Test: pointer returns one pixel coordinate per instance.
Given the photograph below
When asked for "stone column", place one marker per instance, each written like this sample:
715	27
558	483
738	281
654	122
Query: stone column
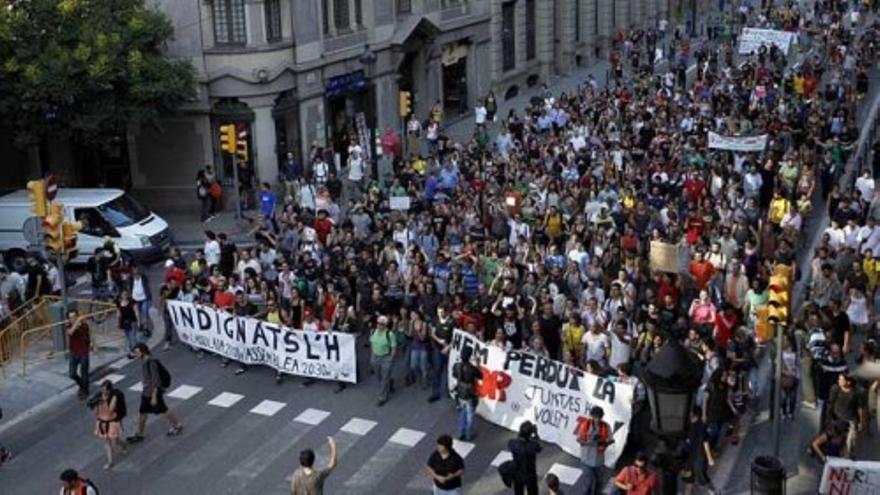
263	141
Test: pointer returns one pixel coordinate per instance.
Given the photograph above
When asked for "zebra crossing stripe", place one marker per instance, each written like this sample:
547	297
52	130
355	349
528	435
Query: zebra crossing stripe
389	455
113	377
567	475
312	417
225	399
183	392
137	387
268	408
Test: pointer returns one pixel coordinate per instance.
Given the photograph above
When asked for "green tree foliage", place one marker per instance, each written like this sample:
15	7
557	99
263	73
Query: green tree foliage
85	69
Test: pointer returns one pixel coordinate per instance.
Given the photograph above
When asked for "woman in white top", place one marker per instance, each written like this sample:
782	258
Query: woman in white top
791	376
857	309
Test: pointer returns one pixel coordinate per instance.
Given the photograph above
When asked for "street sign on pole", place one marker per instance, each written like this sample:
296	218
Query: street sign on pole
51	187
33	231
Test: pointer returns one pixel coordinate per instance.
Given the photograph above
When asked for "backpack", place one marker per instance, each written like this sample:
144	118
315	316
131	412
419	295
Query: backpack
121	409
86	484
164	375
506	470
214	190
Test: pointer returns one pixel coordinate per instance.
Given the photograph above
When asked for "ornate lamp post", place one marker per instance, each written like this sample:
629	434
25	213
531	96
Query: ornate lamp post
672	379
368	60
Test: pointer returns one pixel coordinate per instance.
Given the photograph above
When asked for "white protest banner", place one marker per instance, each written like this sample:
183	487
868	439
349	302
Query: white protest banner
398	202
737	143
846	477
752	38
324	355
518	386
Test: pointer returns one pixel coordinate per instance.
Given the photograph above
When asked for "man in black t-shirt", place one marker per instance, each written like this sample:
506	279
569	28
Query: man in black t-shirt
445	467
36	280
441	339
848	403
228	255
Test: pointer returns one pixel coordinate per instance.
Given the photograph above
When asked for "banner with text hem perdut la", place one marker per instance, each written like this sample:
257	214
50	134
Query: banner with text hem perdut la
846	477
518	386
324	355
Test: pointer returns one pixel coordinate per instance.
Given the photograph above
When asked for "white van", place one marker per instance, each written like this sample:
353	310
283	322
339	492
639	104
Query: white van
103	212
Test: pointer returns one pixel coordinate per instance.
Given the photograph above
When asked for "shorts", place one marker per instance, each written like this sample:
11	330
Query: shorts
148	408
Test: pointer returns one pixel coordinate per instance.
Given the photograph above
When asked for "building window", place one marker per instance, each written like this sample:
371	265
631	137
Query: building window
613	15
325	15
531	34
273	20
508	37
358	13
340	15
229	22
404	6
577	20
596	19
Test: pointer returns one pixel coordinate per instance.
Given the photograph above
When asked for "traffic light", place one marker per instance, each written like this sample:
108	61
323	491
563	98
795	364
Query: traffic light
241	145
68	233
779	294
405	99
37	193
52	227
227	138
763	328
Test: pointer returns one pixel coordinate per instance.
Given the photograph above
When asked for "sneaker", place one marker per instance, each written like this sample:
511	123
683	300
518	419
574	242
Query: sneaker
5	455
135	439
433	398
173	432
381	402
278	378
239	371
224	364
339	388
166	347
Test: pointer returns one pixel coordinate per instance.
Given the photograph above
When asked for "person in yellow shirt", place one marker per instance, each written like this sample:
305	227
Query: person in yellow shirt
871	267
418	165
779	206
799	84
572	333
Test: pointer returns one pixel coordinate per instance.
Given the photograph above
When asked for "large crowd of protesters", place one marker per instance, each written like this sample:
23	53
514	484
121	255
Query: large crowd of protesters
535	233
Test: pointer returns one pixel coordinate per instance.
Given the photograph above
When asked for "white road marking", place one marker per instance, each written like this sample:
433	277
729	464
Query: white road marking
358	426
268	408
137	387
407	437
567	475
501	458
113	377
184	392
226	399
312	416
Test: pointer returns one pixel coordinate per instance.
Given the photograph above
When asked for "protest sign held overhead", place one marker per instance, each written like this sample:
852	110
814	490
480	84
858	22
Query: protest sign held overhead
737	143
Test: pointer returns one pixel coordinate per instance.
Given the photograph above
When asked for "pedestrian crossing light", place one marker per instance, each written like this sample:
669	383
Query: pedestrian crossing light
69	232
227	138
405	98
37	194
52	227
241	145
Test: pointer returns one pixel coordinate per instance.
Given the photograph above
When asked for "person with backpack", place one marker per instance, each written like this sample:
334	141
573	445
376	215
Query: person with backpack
110	409
466	393
72	484
155	382
383	346
525	449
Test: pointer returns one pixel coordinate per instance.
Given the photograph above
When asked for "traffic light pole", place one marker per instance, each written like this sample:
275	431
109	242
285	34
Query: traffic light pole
235	185
776	411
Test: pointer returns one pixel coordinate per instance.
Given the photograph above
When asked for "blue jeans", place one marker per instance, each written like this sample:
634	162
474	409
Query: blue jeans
131	336
593	480
418	365
144	310
79	371
438	361
466	419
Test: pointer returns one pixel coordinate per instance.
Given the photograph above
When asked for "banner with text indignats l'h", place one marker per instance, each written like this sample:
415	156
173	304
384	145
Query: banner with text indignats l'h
324	355
518	386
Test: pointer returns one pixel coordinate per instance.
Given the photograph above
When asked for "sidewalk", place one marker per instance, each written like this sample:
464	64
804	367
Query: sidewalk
46	383
189	232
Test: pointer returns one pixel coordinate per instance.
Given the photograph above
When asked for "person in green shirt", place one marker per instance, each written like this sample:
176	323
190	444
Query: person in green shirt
382	349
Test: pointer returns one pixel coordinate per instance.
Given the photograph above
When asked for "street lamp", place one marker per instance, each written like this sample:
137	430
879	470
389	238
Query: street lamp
672	379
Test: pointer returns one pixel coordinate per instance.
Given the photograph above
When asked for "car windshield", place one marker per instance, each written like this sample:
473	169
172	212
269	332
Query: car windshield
123	211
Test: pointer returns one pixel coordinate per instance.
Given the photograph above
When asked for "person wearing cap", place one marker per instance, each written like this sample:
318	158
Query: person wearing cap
383	346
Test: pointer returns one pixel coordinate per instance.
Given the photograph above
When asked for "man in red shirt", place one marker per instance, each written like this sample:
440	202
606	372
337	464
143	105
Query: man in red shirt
694	188
323	226
701	270
79	344
223	297
173	272
637	479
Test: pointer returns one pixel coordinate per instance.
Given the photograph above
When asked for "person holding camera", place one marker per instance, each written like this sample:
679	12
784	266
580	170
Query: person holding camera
109	407
524	449
466	393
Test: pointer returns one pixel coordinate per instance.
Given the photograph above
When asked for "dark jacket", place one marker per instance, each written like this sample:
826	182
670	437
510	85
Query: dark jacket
129	285
525	453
